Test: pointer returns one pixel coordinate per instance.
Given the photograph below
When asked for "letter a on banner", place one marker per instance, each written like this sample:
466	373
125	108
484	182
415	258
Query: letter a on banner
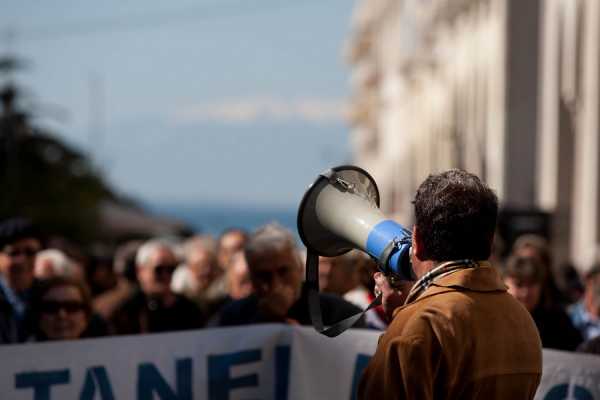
96	378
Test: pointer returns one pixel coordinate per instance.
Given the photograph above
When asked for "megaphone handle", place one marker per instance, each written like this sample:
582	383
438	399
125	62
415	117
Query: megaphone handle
314	302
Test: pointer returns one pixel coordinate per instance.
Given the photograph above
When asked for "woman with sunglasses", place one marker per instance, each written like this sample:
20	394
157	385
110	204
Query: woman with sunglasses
62	311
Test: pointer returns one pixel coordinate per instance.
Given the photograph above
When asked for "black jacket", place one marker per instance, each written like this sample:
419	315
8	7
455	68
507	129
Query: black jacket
246	311
140	314
556	329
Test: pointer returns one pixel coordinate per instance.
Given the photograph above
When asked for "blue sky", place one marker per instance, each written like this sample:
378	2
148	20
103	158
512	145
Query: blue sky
224	101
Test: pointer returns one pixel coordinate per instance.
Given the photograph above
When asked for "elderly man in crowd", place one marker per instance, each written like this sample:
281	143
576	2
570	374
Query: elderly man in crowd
19	244
154	307
276	276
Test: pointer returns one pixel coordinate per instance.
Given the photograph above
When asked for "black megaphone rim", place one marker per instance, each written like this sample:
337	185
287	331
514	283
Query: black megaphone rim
308	194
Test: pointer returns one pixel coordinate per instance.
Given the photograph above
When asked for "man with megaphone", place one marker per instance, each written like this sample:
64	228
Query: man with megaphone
456	333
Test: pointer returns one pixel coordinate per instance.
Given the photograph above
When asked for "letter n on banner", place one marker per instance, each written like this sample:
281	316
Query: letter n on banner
151	381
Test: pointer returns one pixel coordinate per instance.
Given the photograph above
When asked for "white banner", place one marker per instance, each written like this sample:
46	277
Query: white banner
572	376
256	362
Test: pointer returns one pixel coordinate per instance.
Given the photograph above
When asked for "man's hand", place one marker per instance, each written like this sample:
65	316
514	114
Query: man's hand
391	298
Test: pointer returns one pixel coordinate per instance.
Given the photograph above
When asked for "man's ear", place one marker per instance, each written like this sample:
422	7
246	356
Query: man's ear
416	246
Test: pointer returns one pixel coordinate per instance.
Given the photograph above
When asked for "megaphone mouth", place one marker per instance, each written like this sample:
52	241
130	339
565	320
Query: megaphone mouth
346	178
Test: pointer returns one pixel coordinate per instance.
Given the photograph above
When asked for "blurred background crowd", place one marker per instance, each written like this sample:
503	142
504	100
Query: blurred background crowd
52	289
227	102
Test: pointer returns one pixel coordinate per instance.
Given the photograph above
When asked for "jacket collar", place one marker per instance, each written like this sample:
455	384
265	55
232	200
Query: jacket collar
484	278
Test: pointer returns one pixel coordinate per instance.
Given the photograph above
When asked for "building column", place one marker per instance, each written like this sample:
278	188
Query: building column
585	223
495	148
547	137
521	102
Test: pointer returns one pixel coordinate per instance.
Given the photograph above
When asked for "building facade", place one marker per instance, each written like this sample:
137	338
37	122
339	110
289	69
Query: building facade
506	89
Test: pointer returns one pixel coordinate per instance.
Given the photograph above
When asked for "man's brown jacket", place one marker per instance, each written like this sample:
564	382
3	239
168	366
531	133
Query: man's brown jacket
464	337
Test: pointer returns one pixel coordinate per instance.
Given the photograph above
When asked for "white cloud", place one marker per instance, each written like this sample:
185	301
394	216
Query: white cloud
250	109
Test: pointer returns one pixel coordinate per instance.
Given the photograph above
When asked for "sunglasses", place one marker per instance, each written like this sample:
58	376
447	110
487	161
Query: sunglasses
53	307
162	270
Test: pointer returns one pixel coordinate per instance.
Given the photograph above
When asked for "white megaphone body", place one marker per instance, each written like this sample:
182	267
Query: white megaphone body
340	212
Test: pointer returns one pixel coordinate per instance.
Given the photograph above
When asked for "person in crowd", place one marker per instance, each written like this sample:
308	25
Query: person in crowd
239	284
525	277
154	307
585	314
62	310
124	260
50	263
200	276
532	245
456	333
536	246
276	276
124	268
230	242
199	269
74	252
338	275
20	241
362	295
571	283
100	272
591	346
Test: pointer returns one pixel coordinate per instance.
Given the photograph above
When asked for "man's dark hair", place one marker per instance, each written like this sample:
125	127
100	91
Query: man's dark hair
17	228
455	216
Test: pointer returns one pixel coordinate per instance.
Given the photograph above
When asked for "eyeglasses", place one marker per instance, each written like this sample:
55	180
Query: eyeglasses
53	307
164	269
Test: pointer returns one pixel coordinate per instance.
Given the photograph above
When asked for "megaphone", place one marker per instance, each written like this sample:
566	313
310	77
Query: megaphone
340	212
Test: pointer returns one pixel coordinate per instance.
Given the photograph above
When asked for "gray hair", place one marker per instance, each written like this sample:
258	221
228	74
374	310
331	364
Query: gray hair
146	250
62	265
269	239
204	242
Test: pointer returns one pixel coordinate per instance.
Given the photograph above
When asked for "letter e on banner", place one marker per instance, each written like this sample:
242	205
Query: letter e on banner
220	382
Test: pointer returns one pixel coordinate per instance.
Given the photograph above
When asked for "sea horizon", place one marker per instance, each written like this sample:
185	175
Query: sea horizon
213	218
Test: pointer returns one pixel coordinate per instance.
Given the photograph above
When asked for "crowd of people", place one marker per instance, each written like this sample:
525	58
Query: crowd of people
50	290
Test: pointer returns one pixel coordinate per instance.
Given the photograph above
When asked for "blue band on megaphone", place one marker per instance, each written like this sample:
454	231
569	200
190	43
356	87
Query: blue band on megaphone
381	236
